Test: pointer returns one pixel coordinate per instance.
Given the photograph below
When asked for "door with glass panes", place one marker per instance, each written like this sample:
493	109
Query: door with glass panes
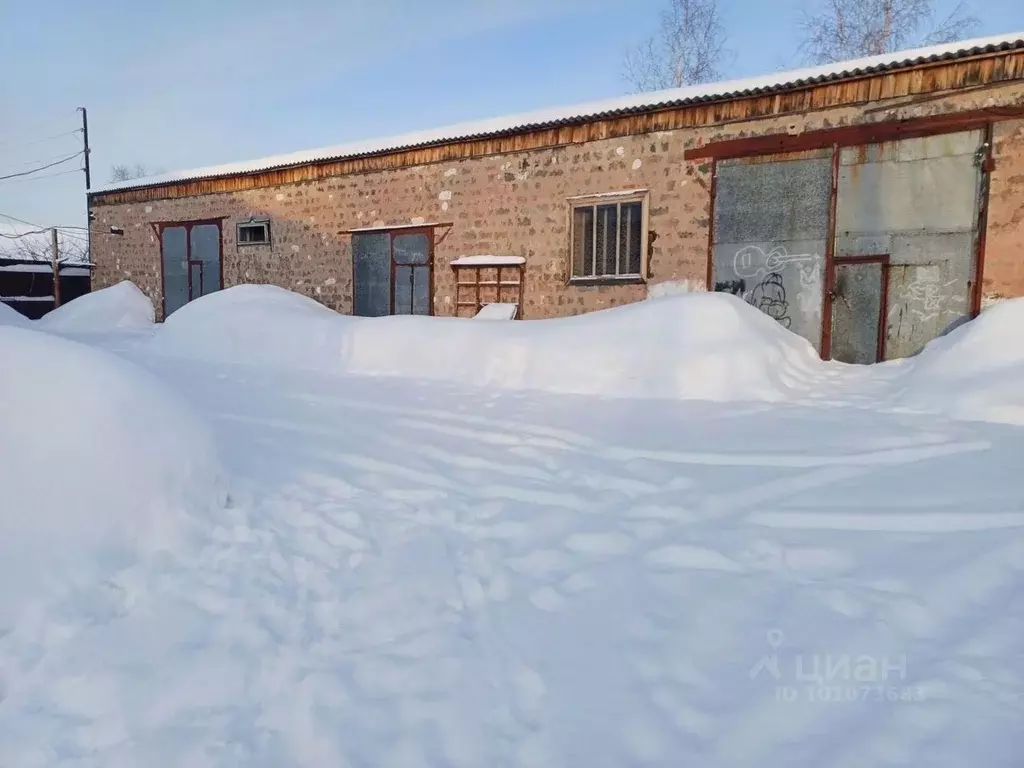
190	256
392	272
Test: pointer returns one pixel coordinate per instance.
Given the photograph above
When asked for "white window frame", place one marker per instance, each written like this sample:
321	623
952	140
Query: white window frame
641	196
265	223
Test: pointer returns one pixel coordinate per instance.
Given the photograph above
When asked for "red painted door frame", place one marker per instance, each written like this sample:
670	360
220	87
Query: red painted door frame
160	226
875	258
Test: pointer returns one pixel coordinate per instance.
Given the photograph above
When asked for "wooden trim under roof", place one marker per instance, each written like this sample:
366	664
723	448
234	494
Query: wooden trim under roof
852	135
929	78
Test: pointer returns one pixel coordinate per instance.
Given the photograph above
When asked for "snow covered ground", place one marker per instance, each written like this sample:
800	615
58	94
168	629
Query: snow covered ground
734	555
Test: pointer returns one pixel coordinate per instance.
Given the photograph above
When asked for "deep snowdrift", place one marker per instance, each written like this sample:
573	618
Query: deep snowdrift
256	325
975	372
97	458
708	346
417	574
120	307
10	316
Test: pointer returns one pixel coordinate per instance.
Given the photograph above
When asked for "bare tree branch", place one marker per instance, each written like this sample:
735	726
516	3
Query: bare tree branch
39	248
958	25
127	173
850	29
687	49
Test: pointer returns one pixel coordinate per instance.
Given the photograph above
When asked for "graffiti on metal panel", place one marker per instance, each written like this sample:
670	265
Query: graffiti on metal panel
927	296
751	264
752	261
735	287
809	297
770	297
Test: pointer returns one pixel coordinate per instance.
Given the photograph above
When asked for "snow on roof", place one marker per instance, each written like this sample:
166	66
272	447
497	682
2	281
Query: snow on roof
637	102
497	311
38	267
487	260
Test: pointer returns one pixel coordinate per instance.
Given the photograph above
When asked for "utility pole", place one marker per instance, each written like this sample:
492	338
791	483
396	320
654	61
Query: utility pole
56	267
88	180
85	141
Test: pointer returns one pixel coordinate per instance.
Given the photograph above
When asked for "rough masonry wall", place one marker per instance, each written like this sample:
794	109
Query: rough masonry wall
507	204
516	204
1004	250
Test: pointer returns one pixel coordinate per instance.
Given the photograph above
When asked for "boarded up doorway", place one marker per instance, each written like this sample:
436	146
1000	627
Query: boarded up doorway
392	272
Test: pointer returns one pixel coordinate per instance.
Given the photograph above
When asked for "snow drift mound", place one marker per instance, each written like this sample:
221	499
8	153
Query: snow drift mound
976	371
97	461
255	325
9	316
699	346
120	307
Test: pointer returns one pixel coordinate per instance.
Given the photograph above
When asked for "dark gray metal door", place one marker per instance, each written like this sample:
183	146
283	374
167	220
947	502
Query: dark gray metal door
411	255
858	303
392	273
371	269
770	229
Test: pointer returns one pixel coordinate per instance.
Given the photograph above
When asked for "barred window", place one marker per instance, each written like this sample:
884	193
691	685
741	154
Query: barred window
608	237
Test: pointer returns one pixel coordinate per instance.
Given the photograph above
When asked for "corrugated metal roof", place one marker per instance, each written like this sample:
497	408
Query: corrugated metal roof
582	113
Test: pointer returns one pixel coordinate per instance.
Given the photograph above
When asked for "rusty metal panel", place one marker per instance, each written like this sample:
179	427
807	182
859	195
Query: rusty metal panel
928	185
916	200
927	301
857	312
770	228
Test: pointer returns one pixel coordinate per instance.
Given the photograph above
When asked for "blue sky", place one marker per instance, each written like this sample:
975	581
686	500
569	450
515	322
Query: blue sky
191	82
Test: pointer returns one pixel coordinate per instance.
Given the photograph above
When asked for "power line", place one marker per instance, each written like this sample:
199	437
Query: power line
33	142
72	235
44	123
44	176
40	226
20	221
24	234
38	160
77	233
40	168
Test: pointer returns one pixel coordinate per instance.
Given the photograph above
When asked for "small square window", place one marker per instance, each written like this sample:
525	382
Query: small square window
253	233
608	237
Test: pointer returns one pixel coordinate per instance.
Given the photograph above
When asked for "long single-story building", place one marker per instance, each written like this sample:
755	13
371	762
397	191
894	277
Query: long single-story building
868	205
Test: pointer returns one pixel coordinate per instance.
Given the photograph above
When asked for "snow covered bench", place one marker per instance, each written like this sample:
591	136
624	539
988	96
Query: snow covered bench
497	311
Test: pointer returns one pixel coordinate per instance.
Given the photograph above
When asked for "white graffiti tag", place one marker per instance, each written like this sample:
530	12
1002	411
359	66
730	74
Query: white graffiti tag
809	297
927	296
752	261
